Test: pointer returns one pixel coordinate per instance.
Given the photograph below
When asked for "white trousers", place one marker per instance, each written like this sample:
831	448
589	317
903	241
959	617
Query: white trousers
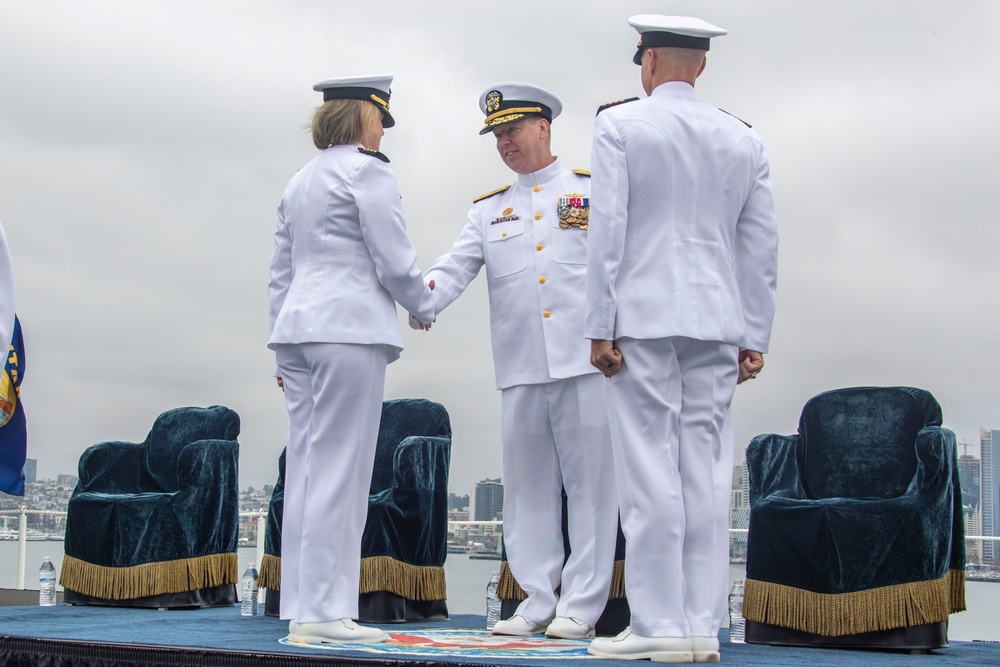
674	468
556	435
333	393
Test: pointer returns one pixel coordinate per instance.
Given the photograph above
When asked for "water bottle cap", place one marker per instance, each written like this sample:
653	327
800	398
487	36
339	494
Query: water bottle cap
46	559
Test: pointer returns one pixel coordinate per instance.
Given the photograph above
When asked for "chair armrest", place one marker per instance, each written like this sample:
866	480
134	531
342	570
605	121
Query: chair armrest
935	450
111	467
422	462
210	464
773	467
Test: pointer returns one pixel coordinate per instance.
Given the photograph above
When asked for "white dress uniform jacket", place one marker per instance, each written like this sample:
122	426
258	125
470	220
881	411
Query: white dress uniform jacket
536	272
696	265
6	295
337	282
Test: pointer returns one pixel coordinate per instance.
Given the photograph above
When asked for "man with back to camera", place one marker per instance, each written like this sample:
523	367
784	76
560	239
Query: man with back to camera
681	276
532	238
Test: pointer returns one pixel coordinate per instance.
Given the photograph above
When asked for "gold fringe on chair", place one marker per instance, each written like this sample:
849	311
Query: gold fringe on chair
413	582
138	581
378	573
509	589
957	590
833	615
270	572
618	581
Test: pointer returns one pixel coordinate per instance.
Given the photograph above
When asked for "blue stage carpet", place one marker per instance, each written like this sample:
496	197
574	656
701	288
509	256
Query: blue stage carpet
224	632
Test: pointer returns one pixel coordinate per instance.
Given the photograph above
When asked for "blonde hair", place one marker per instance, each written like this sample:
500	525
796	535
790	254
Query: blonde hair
342	122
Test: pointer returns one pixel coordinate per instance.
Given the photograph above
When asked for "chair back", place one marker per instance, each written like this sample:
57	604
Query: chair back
859	442
402	418
176	429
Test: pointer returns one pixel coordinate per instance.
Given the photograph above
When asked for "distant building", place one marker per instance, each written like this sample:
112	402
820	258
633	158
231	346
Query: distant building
489	500
739	512
973	526
989	447
30	471
968	477
69	481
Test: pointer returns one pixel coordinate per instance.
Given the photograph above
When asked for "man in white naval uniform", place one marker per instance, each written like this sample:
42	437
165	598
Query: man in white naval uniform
681	278
532	237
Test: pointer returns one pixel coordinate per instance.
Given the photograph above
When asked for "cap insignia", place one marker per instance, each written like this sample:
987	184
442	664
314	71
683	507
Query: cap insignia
493	99
639	45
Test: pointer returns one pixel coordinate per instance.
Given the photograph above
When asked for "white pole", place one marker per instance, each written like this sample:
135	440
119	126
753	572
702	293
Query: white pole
22	540
261	527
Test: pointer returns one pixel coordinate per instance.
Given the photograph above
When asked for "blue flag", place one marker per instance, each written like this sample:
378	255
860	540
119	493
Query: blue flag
13	427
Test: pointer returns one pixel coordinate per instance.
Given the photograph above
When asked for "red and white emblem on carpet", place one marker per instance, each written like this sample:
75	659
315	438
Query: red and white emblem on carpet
464	642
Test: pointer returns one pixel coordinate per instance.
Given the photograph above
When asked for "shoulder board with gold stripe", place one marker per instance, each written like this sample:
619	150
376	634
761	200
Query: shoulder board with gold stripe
736	117
582	172
490	194
380	156
608	105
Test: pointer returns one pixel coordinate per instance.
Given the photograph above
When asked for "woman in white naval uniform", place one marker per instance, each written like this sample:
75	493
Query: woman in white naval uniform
341	260
532	238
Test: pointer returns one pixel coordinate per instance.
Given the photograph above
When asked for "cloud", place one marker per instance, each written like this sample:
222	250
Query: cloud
144	148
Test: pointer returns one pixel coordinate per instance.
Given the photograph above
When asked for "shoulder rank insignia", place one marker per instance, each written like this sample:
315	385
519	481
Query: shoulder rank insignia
736	117
614	104
582	172
490	194
380	156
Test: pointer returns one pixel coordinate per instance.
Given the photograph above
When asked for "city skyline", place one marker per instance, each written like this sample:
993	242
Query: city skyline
41	475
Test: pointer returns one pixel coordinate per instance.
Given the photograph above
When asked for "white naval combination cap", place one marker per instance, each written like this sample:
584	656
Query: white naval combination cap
682	31
509	101
373	89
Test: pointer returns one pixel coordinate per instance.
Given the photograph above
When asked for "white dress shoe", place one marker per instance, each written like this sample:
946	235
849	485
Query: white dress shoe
627	646
569	627
334	632
706	649
520	626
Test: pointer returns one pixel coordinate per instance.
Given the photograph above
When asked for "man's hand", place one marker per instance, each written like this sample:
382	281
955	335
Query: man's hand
605	357
281	383
417	324
751	363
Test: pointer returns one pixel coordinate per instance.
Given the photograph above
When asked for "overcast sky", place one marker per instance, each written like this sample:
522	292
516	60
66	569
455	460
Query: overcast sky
144	147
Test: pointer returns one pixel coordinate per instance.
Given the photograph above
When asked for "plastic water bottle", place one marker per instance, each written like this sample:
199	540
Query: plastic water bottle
492	601
47	583
737	623
248	594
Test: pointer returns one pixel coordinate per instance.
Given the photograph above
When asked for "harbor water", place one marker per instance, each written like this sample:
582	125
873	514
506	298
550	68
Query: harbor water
467	579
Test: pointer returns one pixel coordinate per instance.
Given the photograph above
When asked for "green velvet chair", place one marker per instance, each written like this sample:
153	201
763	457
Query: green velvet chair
856	536
155	524
405	540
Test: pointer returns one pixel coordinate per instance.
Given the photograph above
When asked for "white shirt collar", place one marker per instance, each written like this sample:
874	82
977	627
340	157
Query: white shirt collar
543	175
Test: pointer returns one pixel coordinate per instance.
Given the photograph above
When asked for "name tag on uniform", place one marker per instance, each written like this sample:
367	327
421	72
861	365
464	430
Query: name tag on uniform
574	211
